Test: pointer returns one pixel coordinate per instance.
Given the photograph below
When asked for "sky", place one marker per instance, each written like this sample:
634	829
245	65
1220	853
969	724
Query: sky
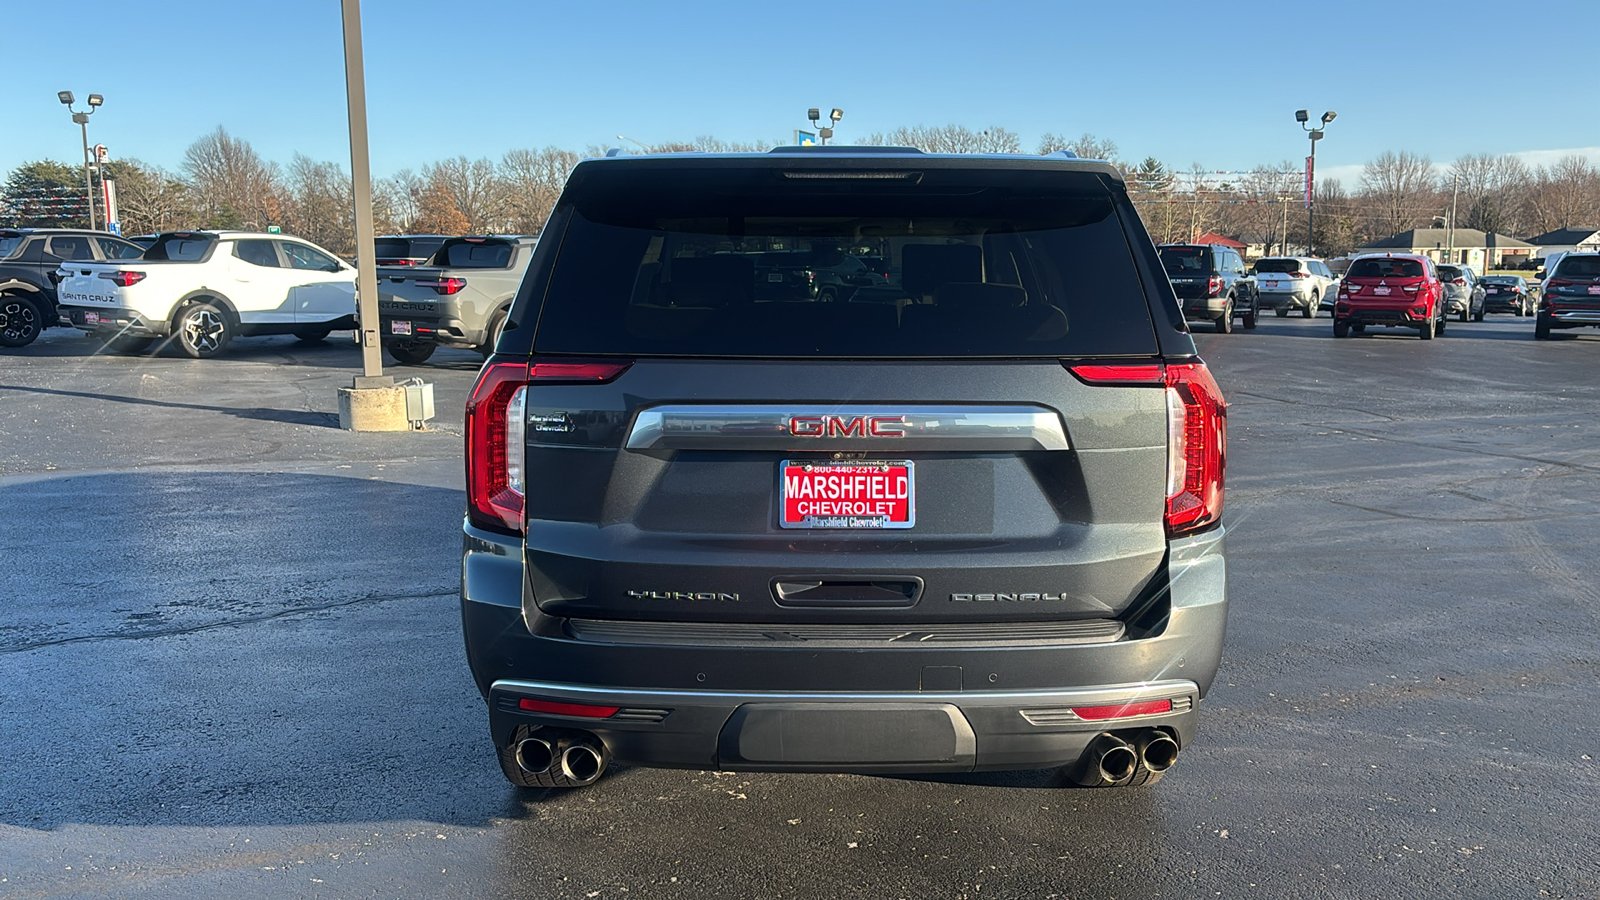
1214	85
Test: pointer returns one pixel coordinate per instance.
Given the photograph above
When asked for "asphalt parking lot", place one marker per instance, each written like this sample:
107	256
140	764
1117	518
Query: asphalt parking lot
231	657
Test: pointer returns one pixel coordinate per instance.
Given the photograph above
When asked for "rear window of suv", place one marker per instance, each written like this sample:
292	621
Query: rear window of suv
704	262
1385	268
1284	266
475	255
1579	267
1183	261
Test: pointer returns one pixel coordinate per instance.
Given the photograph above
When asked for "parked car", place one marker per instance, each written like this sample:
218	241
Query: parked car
461	300
1508	293
680	552
1392	290
203	288
406	249
1293	282
1463	295
1206	278
1571	295
29	258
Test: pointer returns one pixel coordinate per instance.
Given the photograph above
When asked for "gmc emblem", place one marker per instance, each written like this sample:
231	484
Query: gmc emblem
848	426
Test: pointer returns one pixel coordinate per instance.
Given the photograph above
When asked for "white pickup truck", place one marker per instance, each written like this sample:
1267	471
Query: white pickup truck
203	288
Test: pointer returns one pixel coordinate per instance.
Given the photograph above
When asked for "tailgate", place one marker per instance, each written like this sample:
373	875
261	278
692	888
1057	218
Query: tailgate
942	492
81	285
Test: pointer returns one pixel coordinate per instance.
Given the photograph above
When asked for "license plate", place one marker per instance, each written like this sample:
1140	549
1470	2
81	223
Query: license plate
91	318
864	494
1494	290
775	277
1594	288
399	327
1381	291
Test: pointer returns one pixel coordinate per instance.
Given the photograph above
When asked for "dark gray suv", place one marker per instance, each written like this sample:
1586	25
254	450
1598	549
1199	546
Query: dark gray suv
972	526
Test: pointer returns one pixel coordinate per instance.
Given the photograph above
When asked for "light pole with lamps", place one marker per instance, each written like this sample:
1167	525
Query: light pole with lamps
826	131
82	118
1303	117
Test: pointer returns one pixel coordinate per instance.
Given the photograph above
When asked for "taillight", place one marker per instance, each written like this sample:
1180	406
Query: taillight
1214	285
1349	288
1197	440
1300	274
123	278
1413	288
496	433
445	285
1458	281
1197	435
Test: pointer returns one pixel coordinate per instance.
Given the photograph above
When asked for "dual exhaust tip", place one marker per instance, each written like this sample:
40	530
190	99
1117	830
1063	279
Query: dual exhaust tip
1114	760
580	758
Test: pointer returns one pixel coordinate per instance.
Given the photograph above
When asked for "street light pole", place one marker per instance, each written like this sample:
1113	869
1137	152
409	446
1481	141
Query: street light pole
1304	117
82	119
355	85
825	131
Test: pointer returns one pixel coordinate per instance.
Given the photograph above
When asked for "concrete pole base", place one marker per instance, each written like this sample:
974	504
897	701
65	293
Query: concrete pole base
373	409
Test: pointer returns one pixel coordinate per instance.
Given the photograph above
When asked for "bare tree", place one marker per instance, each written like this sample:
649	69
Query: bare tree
949	139
232	186
1084	145
149	198
395	202
1263	207
475	187
1399	191
532	180
1565	195
438	210
318	204
1490	189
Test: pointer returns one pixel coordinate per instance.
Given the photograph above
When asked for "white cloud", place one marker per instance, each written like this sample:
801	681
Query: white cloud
1551	157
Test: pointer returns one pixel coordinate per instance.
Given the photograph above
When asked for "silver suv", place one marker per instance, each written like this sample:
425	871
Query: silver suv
974	523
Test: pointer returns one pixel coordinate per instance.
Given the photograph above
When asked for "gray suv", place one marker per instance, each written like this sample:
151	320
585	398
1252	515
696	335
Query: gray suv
973	526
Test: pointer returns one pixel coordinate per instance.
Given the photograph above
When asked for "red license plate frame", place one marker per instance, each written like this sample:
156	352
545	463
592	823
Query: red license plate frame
851	495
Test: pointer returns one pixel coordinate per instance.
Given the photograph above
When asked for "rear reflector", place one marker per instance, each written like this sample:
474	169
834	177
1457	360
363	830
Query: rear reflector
1136	373
576	709
1120	711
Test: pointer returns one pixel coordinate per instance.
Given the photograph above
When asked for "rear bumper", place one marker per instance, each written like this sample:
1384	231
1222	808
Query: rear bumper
114	320
1573	318
445	330
1372	315
1203	309
904	707
1296	299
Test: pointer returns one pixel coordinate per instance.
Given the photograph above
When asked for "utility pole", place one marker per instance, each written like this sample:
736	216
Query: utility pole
1455	190
82	119
361	181
1304	117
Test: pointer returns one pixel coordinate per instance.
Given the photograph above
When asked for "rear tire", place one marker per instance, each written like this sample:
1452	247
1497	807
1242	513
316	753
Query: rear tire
411	353
1341	328
1478	316
491	335
20	321
1541	329
1428	328
313	335
1224	322
1282	312
1311	308
1250	319
203	329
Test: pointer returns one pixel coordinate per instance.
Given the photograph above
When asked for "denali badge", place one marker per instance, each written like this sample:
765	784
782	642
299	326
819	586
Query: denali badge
847	426
1004	598
684	595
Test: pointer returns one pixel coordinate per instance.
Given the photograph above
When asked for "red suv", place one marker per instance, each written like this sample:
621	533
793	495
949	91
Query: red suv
1392	290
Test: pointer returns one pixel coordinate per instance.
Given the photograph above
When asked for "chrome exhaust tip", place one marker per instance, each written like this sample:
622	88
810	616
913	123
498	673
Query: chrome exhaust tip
535	755
1115	760
583	761
1157	750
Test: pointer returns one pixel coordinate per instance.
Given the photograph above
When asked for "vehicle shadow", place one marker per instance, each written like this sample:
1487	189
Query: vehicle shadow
286	416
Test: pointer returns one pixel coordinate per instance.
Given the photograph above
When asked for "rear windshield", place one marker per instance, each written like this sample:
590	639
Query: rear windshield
406	248
1182	261
1502	279
470	255
1448	272
1386	268
725	263
1579	267
1278	265
180	247
9	244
